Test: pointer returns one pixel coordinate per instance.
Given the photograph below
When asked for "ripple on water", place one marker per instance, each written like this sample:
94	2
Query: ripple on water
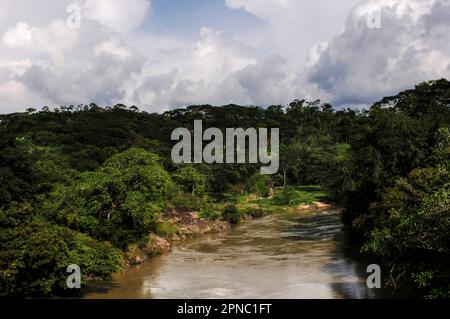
291	255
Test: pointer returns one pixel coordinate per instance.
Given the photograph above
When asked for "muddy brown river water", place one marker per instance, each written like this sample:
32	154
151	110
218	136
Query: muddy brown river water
289	255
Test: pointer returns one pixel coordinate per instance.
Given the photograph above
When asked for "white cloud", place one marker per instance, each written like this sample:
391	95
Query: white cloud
362	64
15	68
401	8
49	63
265	9
114	48
18	36
305	49
119	15
15	93
294	26
190	74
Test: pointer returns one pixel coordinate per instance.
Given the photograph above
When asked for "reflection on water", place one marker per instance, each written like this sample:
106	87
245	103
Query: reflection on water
291	255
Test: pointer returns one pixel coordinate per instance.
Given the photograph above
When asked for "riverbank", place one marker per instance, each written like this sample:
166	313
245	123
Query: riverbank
179	223
175	224
293	254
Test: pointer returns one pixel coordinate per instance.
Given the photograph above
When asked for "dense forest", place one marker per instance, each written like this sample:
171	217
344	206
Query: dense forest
80	184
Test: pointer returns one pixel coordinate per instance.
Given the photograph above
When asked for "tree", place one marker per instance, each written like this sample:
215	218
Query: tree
413	237
261	185
190	180
119	202
34	254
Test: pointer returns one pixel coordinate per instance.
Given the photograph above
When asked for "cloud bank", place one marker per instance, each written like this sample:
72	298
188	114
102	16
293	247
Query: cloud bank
303	49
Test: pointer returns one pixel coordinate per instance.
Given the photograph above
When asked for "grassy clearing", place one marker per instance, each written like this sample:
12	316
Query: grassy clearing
291	197
284	198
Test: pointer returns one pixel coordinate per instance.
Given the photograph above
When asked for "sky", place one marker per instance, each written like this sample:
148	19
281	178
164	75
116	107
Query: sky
164	54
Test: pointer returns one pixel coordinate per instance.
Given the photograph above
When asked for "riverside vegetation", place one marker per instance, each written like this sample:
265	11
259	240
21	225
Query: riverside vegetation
96	187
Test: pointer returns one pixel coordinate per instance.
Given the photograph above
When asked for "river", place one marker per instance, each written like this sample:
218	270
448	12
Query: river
289	255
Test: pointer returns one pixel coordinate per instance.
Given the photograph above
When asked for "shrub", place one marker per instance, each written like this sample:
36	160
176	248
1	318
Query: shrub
231	214
287	196
187	200
165	229
209	213
260	185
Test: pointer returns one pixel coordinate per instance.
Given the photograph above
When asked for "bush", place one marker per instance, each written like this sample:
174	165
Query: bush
209	213
165	229
286	197
187	200
260	185
231	214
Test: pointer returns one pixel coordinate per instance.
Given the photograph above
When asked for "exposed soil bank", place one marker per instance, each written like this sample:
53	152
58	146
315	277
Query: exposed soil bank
315	205
184	223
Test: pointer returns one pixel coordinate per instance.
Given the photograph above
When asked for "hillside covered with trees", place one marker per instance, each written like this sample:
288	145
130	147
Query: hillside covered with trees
81	184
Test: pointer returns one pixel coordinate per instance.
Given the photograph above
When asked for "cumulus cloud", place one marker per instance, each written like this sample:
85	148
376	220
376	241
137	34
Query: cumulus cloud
363	64
294	26
18	36
190	73
49	63
119	15
304	49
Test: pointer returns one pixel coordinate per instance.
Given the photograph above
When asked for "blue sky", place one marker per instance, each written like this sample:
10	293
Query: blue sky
189	16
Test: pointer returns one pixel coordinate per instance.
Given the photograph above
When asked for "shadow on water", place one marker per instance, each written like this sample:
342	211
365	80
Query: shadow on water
102	287
317	227
345	258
